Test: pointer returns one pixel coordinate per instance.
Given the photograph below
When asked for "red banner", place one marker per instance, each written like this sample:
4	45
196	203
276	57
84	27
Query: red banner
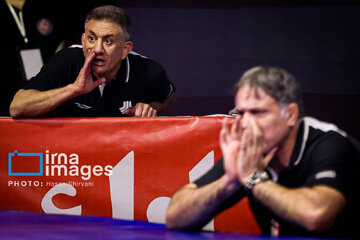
125	168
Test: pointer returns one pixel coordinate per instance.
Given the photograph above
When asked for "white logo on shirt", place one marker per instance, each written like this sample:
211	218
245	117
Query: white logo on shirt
326	174
82	106
126	105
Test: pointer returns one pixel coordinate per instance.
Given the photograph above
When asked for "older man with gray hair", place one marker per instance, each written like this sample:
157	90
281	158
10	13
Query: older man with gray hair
103	77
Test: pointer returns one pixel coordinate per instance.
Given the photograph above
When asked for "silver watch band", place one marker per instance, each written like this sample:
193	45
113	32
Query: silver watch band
255	178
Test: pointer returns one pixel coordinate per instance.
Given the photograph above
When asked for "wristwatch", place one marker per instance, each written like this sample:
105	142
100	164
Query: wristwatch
255	178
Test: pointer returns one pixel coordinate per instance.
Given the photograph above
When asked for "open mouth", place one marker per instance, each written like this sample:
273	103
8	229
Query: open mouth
99	61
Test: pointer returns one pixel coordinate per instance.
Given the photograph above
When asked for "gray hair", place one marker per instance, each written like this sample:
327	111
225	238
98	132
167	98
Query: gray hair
276	82
111	14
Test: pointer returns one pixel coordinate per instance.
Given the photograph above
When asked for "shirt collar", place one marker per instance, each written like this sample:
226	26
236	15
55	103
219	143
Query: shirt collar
123	73
297	153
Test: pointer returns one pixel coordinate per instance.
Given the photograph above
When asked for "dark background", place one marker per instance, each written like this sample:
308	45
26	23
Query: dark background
205	46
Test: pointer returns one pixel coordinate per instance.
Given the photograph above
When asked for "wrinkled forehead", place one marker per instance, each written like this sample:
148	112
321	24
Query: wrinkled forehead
248	96
103	26
248	91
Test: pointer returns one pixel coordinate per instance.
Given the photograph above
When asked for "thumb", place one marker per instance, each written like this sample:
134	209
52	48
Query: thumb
100	81
130	112
270	155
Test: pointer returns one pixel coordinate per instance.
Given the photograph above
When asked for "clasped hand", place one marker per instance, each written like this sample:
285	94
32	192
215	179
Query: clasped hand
242	150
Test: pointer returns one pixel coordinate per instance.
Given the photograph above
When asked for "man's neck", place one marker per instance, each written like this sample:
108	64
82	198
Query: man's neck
284	153
19	4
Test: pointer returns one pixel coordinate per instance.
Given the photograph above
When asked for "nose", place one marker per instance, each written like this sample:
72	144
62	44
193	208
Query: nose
98	46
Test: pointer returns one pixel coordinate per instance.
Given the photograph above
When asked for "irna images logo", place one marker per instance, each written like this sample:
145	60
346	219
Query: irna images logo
53	164
25	164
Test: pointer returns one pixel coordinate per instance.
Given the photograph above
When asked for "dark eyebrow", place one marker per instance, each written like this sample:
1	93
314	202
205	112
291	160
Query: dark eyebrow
252	111
92	33
106	36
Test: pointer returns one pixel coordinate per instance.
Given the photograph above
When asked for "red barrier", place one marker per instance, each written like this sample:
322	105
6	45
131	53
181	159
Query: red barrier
117	167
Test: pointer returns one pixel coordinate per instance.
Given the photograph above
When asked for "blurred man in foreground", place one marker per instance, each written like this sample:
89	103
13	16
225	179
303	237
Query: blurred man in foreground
299	174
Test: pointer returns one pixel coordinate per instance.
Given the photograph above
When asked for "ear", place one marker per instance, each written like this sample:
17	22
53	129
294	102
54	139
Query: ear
128	46
292	114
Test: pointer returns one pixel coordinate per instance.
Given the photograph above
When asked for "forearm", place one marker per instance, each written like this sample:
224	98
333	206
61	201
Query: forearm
314	209
162	106
34	103
191	207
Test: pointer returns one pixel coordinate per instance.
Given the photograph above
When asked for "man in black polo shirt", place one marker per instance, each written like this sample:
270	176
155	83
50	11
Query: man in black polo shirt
100	78
300	174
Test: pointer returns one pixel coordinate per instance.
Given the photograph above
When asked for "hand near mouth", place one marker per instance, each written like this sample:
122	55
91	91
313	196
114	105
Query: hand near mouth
84	82
98	61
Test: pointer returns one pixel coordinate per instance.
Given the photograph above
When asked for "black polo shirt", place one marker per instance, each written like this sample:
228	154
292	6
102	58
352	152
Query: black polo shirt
323	155
139	79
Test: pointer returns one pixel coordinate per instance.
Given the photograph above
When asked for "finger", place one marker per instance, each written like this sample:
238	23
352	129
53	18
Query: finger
224	132
224	124
256	138
147	110
138	110
256	128
99	82
222	137
235	129
244	140
152	113
250	144
88	60
249	139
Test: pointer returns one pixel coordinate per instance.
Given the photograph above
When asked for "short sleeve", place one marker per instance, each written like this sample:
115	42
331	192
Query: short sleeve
213	174
60	70
335	162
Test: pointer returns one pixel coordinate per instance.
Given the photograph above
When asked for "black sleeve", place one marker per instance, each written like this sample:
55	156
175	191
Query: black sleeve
335	163
152	77
164	87
61	70
213	174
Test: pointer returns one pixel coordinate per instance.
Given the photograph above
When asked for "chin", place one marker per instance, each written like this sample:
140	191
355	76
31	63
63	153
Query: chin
268	148
97	70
